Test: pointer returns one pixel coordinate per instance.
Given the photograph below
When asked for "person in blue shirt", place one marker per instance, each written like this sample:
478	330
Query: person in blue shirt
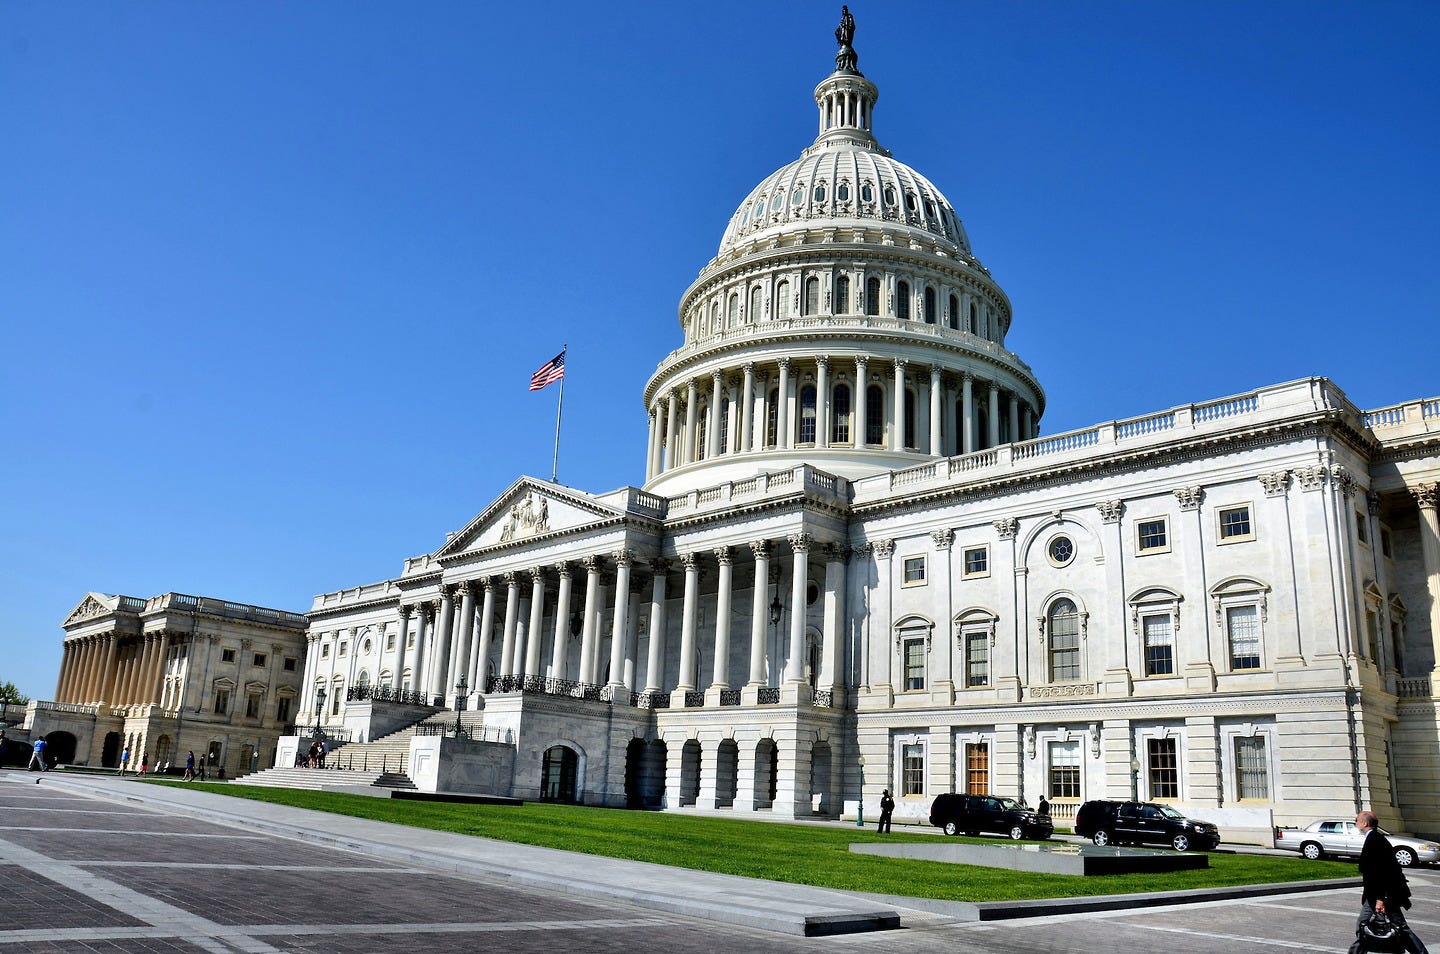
38	757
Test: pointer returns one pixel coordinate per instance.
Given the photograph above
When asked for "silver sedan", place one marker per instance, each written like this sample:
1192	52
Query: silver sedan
1339	837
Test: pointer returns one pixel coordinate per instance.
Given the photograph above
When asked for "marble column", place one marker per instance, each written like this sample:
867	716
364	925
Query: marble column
672	445
466	637
967	413
992	429
1427	497
487	632
782	409
862	387
441	657
712	414
108	668
537	618
687	621
759	611
587	632
618	623
561	636
747	410
157	678
897	433
692	409
401	638
936	394
654	664
799	577
721	674
833	631
822	401
1014	417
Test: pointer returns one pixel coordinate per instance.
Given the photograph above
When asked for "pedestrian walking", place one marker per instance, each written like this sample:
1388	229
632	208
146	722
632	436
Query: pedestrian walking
887	806
124	761
1044	805
324	751
38	756
202	767
189	767
144	763
1385	890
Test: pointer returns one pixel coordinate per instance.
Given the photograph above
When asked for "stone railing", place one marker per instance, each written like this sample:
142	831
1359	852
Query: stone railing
758	487
1421	415
224	608
1414	687
69	708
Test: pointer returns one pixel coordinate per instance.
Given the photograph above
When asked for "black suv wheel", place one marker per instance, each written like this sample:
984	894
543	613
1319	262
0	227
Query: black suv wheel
1102	838
951	828
1016	833
1180	842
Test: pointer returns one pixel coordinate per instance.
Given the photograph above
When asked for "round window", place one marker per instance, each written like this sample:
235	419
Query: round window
367	645
1062	551
812	593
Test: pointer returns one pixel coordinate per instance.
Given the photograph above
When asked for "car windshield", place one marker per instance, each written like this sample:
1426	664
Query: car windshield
1010	805
1169	812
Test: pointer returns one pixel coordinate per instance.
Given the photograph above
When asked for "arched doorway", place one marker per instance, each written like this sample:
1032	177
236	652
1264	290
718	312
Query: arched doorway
644	773
110	751
690	773
821	796
727	771
163	753
558	773
767	771
61	749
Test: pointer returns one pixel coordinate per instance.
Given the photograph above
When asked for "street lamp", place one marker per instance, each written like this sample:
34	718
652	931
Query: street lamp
461	698
860	803
319	709
1134	779
775	609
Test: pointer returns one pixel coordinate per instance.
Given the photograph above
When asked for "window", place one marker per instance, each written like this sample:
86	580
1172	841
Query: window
227	655
842	295
782	299
344	648
977	768
752	314
772	417
324	650
929	306
222	700
914	650
902	301
912	767
1163	768
867	193
290	662
259	659
1235	524
1152	536
1252	775
977	561
1064	642
840	414
1159	644
872	296
1061	551
875	415
1242	626
1385	541
732	313
842	192
953	317
807	414
282	709
812	296
1065	770
910	418
389	642
977	659
702	432
723	439
974	323
337	692
252	707
889	195
819	192
914	570
1362	530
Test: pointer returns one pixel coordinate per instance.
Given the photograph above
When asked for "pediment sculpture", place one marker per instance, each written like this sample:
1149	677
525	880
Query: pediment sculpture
529	516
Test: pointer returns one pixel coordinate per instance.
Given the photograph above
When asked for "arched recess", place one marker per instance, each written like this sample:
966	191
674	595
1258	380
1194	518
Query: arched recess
975	629
727	773
61	749
690	755
1087	542
822	795
562	773
1064	625
644	773
767	770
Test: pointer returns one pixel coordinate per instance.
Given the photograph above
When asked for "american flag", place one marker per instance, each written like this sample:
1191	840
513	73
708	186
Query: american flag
550	371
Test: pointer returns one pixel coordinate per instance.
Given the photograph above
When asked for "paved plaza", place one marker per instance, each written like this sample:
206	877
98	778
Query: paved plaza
86	867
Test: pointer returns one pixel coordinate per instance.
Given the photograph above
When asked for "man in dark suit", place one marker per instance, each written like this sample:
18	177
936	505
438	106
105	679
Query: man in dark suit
1385	889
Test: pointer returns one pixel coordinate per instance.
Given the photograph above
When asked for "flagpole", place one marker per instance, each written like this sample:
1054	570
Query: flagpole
559	408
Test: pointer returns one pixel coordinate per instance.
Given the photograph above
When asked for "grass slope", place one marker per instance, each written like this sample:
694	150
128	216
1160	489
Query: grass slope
804	854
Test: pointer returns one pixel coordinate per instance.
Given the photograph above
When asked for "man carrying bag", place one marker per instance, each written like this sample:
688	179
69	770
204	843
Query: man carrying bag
1385	895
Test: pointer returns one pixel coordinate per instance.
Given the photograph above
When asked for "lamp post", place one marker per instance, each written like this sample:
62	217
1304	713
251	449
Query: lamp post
1134	779
461	698
319	709
860	804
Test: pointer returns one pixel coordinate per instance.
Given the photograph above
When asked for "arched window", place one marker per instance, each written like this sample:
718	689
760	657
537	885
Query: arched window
929	306
840	414
872	296
974	318
753	315
807	414
364	679
842	295
1064	642
702	419
875	414
724	425
954	318
732	317
714	325
772	416
902	301
909	418
782	299
812	296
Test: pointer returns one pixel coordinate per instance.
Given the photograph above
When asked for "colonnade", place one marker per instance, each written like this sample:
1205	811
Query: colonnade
113	669
820	403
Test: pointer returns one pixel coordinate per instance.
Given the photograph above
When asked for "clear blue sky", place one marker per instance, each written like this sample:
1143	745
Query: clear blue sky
273	277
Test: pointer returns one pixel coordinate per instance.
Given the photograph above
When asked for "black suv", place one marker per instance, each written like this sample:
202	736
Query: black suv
973	814
1116	823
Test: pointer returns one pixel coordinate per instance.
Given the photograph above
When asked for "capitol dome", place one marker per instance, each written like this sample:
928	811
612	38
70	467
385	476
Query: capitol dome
844	323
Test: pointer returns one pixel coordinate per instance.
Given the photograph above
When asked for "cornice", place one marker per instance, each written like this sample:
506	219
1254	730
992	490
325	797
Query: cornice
392	601
787	502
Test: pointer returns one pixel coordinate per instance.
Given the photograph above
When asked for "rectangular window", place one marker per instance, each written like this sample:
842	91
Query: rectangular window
914	664
1385	541
1235	524
912	761
1372	634
410	641
977	659
1362	530
252	707
1065	770
914	570
977	768
222	701
282	709
1152	535
259	659
1159	644
1065	648
1164	768
389	642
289	663
324	650
1252	774
344	647
1242	625
335	697
227	655
977	561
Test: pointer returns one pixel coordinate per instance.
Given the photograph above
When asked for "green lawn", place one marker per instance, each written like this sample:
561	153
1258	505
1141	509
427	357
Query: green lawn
804	854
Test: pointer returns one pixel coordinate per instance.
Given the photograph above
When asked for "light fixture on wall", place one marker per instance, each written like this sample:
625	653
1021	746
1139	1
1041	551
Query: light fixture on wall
775	609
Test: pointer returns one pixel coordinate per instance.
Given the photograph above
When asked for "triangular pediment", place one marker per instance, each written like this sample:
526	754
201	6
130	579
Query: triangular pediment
93	605
530	509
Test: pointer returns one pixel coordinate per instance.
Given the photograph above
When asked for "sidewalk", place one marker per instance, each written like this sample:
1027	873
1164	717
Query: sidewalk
768	905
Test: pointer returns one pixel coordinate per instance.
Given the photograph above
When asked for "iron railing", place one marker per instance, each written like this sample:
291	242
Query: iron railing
768	696
408	697
729	697
694	700
822	698
650	700
335	733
